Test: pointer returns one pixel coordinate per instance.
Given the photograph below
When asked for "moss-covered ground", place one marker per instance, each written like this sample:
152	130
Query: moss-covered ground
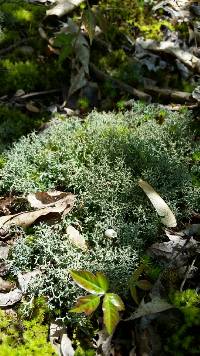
99	158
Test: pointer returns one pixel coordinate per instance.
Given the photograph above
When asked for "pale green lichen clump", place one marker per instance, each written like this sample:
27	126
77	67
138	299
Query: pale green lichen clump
101	160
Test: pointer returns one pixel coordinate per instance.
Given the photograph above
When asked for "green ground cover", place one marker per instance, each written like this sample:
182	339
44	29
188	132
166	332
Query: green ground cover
101	160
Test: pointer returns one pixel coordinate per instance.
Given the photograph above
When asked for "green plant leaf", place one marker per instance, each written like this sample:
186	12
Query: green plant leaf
89	23
86	304
102	281
88	281
134	295
112	304
137	273
144	284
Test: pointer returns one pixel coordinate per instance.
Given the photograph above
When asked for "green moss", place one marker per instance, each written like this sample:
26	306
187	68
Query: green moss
152	28
18	75
14	123
20	337
132	16
185	339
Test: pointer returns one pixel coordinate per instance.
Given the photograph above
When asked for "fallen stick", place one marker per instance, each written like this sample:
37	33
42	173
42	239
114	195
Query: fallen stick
101	76
175	95
38	93
13	46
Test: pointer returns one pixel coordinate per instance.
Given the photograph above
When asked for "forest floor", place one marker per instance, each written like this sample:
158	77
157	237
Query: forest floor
100	188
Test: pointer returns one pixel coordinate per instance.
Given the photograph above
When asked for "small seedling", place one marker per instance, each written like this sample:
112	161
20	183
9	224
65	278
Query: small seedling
98	286
136	283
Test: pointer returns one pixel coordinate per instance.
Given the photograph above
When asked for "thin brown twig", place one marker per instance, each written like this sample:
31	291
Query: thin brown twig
101	76
187	274
13	46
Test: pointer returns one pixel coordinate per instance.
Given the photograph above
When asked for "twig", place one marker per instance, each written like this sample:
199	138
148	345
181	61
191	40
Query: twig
13	46
38	93
187	274
101	76
170	94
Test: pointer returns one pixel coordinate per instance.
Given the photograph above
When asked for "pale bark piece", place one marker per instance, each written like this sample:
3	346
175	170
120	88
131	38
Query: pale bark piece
163	210
60	340
24	219
26	279
178	10
11	298
66	346
63	7
76	238
5	286
156	305
55	333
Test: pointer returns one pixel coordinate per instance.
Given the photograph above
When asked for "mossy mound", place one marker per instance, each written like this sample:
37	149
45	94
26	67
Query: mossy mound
14	123
20	337
101	160
28	66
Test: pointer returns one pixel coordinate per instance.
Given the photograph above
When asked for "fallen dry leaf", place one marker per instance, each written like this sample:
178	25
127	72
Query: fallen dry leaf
156	305
30	106
163	210
41	200
25	219
11	298
76	238
5	286
63	7
5	203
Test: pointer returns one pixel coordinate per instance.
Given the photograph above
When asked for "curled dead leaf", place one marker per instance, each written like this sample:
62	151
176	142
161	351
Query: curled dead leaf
59	204
163	210
30	106
156	305
11	298
63	7
76	238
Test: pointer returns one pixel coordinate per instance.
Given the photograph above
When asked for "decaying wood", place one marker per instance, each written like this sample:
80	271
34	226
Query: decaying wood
38	93
177	96
101	76
190	60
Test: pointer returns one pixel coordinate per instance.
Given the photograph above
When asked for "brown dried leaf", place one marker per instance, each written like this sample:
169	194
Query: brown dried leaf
41	200
31	107
24	219
5	286
5	204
